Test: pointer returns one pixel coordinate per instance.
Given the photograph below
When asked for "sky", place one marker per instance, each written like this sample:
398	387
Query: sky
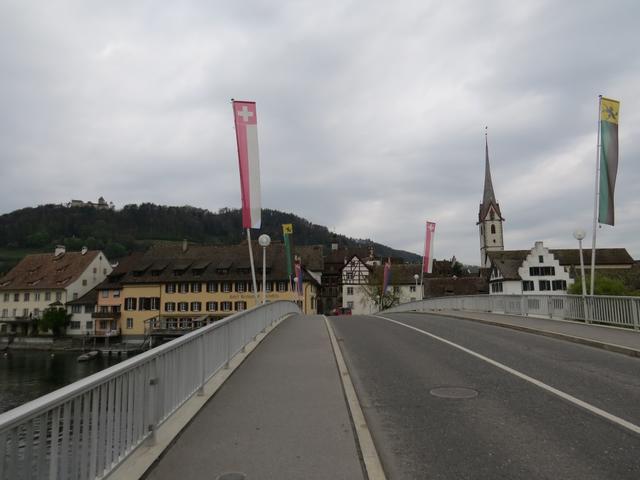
371	114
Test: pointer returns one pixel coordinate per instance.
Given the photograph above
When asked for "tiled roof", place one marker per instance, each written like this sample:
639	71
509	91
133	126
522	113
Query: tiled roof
44	270
203	263
438	287
89	298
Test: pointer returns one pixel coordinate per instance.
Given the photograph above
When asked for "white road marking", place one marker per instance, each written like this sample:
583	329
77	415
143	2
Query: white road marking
570	398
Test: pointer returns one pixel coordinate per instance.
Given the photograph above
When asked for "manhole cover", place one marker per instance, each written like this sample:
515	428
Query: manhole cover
232	476
454	392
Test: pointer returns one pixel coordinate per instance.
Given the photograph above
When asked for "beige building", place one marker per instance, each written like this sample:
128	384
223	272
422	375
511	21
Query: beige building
170	288
46	280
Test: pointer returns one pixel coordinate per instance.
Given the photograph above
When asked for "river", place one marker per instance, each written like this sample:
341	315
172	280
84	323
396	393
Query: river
28	374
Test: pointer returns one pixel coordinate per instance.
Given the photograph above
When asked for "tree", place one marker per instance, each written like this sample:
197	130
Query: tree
56	320
601	286
373	290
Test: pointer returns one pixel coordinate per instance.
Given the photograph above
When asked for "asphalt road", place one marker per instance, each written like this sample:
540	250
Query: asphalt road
512	428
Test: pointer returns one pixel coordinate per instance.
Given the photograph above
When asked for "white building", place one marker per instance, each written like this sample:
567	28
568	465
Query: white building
355	285
43	280
547	271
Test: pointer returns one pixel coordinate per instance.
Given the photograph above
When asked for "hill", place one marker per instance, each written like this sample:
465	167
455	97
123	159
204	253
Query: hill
136	227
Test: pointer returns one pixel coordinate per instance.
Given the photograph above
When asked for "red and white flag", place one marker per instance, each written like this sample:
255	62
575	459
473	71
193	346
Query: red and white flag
427	263
246	121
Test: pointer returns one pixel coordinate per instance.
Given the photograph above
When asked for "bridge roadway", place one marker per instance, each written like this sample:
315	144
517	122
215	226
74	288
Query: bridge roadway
444	398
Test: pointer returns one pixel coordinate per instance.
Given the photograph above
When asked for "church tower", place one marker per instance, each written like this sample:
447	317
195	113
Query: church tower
489	217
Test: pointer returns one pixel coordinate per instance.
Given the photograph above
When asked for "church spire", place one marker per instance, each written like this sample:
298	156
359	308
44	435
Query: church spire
488	195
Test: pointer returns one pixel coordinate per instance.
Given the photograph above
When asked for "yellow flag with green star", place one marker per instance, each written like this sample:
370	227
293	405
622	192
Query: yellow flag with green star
609	112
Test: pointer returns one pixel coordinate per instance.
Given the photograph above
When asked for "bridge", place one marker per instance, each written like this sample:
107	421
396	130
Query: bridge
516	387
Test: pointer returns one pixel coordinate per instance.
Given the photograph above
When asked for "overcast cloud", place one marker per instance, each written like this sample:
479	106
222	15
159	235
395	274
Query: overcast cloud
371	114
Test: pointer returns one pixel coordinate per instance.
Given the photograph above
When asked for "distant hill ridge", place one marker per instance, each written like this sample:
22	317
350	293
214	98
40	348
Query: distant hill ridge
136	227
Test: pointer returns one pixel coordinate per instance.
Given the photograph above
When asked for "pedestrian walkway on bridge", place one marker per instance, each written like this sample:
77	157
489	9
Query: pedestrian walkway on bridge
282	414
614	339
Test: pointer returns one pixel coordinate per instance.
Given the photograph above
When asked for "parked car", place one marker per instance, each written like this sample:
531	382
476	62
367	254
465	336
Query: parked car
341	311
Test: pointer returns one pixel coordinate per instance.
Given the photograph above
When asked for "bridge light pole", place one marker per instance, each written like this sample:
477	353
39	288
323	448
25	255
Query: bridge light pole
416	277
264	240
579	235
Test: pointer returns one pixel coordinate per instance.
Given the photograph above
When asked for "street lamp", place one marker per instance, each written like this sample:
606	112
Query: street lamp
416	277
579	235
264	240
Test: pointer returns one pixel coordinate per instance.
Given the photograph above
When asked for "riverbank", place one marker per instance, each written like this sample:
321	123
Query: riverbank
64	345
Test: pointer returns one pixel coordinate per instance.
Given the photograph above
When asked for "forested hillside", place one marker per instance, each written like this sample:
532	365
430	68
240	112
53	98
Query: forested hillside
135	227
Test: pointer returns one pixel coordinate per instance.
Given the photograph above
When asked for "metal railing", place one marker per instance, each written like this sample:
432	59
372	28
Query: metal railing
86	429
608	310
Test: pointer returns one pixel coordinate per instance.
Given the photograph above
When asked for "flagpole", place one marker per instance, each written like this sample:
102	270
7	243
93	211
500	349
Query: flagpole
253	268
596	198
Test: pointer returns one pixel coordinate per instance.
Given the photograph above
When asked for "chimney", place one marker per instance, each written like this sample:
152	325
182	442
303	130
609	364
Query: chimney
185	245
538	245
60	250
84	250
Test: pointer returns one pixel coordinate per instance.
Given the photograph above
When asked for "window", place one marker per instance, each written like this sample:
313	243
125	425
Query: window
170	288
5	312
105	293
74	325
104	271
212	306
104	324
544	285
196	306
212	287
170	307
540	259
183	306
241	306
75	296
542	271
36	296
240	287
282	286
95	270
27	295
116	293
25	312
493	229
183	288
36	312
89	325
6	297
130	303
196	287
76	309
349	290
148	303
496	287
47	296
16	297
559	284
412	288
58	296
268	287
226	306
528	286
88	309
226	288
84	282
129	323
349	304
